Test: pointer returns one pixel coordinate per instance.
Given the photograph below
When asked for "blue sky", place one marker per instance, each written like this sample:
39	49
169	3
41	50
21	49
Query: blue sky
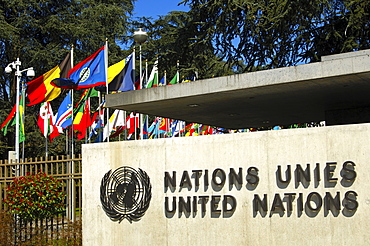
153	8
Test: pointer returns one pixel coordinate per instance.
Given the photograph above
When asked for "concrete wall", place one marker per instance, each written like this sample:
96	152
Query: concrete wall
334	155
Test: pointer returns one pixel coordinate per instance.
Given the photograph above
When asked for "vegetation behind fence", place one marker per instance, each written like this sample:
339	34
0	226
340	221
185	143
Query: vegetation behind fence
63	168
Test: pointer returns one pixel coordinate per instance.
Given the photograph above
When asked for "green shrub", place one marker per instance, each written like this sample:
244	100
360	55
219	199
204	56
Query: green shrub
35	196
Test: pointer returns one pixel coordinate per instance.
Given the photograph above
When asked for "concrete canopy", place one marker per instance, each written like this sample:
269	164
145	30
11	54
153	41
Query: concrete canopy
304	93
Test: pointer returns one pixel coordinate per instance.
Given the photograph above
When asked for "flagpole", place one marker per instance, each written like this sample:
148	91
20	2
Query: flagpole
70	186
106	80
72	127
140	37
178	74
30	73
23	120
18	74
146	71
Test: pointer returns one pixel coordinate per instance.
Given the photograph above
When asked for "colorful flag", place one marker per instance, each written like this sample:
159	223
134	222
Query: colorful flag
41	89
46	121
118	124
22	135
145	128
116	120
115	69
205	130
97	122
193	131
89	73
176	126
10	120
64	115
163	80
163	127
175	79
132	122
137	84
153	130
124	81
82	120
153	78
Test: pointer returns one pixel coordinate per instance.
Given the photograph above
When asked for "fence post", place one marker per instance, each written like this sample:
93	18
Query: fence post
71	208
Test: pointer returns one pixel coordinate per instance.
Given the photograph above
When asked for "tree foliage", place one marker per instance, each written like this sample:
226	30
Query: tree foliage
172	38
40	33
277	33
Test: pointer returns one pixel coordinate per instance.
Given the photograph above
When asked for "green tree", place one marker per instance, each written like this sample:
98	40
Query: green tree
40	33
171	38
276	33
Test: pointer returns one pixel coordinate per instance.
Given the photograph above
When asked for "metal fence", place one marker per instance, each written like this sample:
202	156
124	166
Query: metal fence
62	168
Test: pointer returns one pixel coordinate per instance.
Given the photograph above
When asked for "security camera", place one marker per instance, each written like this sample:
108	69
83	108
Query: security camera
8	70
30	73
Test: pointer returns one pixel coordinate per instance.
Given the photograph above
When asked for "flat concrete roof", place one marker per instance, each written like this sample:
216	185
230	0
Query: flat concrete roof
282	96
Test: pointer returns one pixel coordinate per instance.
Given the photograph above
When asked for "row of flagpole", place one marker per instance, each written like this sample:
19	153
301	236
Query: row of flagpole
59	82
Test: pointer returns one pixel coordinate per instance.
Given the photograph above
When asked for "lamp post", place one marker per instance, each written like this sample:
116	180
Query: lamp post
140	37
18	73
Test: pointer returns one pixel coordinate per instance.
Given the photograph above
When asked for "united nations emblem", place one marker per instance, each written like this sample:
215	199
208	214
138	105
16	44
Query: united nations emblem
125	194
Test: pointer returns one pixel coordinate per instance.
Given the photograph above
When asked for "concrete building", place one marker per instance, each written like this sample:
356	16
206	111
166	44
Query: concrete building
307	186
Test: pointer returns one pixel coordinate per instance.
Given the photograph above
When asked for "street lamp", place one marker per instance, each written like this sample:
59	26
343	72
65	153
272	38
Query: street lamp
140	37
18	73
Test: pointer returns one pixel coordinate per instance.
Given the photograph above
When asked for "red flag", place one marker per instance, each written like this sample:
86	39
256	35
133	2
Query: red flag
41	90
46	122
8	120
85	121
163	127
132	122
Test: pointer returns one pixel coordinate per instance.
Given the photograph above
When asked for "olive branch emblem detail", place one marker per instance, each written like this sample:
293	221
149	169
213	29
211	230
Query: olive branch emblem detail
125	194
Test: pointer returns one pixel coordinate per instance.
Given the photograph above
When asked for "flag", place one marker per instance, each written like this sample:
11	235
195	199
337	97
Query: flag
82	120
10	120
118	124
124	80
138	81
64	115
97	122
205	130
41	89
115	69
192	131
87	93
153	130
163	80
175	79
145	128
89	73
176	126
116	120
132	122
137	84
46	121
22	135
163	127
153	78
